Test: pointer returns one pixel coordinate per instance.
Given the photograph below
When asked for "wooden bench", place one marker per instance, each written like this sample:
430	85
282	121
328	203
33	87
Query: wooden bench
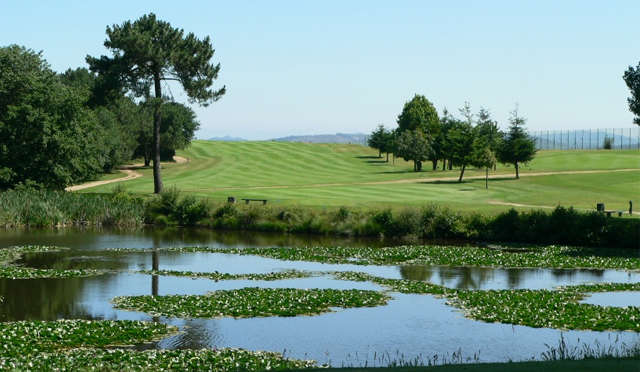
264	201
618	212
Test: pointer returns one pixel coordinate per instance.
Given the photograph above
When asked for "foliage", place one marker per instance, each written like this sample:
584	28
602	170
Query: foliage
517	146
78	345
29	337
252	302
565	226
554	257
381	140
607	142
47	137
52	208
459	145
178	127
280	275
632	79
420	114
151	51
550	308
413	145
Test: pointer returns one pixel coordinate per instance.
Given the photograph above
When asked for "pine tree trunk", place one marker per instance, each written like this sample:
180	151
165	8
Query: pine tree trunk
435	164
157	118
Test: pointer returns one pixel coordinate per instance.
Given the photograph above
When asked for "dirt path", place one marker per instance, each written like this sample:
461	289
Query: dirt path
129	170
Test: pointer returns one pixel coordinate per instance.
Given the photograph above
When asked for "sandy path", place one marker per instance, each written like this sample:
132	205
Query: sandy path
129	170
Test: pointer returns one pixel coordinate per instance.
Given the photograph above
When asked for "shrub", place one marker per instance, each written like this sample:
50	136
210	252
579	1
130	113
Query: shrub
505	226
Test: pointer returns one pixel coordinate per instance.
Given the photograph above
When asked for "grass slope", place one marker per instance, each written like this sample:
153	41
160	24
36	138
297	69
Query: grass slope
333	175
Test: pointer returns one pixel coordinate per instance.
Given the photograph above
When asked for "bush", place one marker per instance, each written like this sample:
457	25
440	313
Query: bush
506	226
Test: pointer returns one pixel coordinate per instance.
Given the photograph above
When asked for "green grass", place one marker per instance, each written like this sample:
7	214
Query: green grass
333	175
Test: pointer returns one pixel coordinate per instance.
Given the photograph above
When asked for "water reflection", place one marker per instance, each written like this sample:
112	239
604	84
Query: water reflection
154	237
410	324
43	299
500	278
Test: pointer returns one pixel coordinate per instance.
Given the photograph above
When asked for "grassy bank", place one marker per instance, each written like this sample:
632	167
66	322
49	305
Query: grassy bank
172	207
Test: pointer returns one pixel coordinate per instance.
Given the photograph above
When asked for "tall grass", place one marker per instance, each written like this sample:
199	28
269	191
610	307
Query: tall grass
564	351
30	208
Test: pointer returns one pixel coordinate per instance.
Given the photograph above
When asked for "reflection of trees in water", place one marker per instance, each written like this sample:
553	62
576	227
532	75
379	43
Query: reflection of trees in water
416	272
473	277
74	260
515	277
568	273
43	299
464	277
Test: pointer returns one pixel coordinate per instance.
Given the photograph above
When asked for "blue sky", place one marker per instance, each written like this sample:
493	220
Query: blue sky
316	67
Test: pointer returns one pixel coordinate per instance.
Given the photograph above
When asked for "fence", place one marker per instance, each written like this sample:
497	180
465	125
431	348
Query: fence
588	139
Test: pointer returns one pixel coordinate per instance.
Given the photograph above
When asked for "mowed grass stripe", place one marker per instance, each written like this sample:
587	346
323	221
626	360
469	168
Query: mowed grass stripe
334	175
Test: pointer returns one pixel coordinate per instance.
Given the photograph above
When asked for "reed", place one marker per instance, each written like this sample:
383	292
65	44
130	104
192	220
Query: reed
31	208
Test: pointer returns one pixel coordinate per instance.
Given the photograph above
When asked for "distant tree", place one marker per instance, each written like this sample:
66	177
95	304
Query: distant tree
632	78
447	122
517	146
379	140
179	124
460	145
607	143
483	156
488	128
420	114
47	136
413	145
146	53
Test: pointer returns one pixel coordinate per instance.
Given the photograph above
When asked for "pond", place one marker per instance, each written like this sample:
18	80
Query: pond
409	326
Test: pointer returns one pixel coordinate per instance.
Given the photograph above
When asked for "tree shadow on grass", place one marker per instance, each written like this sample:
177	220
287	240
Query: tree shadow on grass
398	171
444	182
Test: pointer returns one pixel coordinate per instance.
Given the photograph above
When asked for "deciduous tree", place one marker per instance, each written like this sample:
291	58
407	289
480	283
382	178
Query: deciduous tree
149	51
419	113
47	136
632	78
413	145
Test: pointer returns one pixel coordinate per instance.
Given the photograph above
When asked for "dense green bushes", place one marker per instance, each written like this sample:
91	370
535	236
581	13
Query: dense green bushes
560	226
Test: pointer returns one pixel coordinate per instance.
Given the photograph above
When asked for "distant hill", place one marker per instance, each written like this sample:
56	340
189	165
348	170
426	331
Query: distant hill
227	139
357	138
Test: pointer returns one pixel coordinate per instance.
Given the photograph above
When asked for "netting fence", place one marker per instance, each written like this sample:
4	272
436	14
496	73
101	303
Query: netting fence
588	139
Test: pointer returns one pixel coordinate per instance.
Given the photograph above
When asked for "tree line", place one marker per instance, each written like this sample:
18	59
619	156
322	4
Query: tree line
471	141
58	130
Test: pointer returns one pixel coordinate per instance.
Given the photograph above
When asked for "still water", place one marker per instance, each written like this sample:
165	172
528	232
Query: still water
412	325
